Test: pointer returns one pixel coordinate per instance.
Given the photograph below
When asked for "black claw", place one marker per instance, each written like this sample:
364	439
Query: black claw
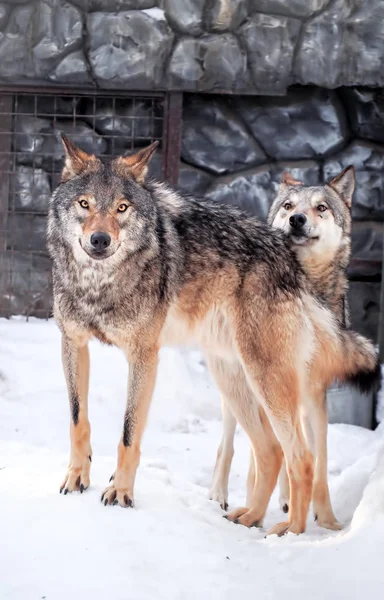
115	502
90	458
225	517
82	488
285	508
102	496
106	502
236	521
112	477
224	506
65	491
127	500
315	517
61	489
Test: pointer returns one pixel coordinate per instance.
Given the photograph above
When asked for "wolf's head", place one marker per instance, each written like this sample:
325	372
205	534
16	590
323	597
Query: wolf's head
101	210
316	218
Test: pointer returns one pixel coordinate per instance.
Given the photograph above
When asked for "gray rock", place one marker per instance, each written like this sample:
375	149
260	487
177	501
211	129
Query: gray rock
128	49
72	69
293	8
125	122
368	160
36	37
5	9
32	190
15	56
56	30
215	138
193	180
367	250
344	45
366	111
270	42
225	15
185	16
25	284
364	305
212	62
255	189
38	144
304	124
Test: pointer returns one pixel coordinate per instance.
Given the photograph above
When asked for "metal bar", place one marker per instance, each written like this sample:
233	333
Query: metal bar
6	105
71	91
173	116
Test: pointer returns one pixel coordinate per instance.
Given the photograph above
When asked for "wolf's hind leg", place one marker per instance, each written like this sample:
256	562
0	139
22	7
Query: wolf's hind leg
267	454
219	487
75	357
321	502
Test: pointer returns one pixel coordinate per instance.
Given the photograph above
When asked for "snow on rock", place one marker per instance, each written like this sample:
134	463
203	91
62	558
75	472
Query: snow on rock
174	545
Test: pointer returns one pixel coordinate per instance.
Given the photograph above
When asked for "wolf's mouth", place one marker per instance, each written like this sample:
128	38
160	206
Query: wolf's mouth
98	255
302	240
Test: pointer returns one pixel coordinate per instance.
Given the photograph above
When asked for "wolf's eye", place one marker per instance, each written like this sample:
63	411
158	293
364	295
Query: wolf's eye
287	206
321	208
122	207
83	203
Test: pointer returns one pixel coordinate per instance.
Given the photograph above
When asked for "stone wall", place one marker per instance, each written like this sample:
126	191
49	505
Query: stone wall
242	46
234	150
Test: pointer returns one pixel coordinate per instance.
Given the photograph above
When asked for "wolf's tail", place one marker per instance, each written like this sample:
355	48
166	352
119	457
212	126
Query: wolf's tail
361	362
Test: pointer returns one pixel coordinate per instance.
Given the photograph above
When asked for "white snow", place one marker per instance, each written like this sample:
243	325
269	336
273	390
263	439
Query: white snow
174	545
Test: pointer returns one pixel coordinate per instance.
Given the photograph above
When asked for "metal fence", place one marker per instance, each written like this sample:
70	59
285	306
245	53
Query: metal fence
31	159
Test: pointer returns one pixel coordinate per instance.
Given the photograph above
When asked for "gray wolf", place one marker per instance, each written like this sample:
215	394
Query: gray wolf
138	265
317	221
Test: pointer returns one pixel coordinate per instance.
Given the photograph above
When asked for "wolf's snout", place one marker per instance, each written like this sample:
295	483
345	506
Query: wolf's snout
100	241
298	220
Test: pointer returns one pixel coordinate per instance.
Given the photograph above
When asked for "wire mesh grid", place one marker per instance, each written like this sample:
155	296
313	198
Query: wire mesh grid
31	159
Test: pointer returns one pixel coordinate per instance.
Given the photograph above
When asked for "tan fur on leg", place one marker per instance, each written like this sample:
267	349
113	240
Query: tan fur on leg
76	368
318	415
219	488
142	378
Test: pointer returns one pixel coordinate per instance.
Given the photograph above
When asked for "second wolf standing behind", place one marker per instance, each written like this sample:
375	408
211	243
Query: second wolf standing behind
317	220
139	266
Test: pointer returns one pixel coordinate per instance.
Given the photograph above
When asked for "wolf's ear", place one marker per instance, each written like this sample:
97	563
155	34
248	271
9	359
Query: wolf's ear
76	160
136	165
344	184
287	179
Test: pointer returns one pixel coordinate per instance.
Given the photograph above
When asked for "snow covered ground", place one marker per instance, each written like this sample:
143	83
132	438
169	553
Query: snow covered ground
174	545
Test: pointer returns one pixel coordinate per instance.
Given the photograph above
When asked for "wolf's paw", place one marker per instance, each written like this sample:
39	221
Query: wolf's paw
286	527
245	516
218	494
331	524
77	478
113	496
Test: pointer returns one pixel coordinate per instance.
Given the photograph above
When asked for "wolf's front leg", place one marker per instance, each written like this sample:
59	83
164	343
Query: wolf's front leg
141	382
75	356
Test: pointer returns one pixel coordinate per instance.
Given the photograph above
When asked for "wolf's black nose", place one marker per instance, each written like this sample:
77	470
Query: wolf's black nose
100	241
297	221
